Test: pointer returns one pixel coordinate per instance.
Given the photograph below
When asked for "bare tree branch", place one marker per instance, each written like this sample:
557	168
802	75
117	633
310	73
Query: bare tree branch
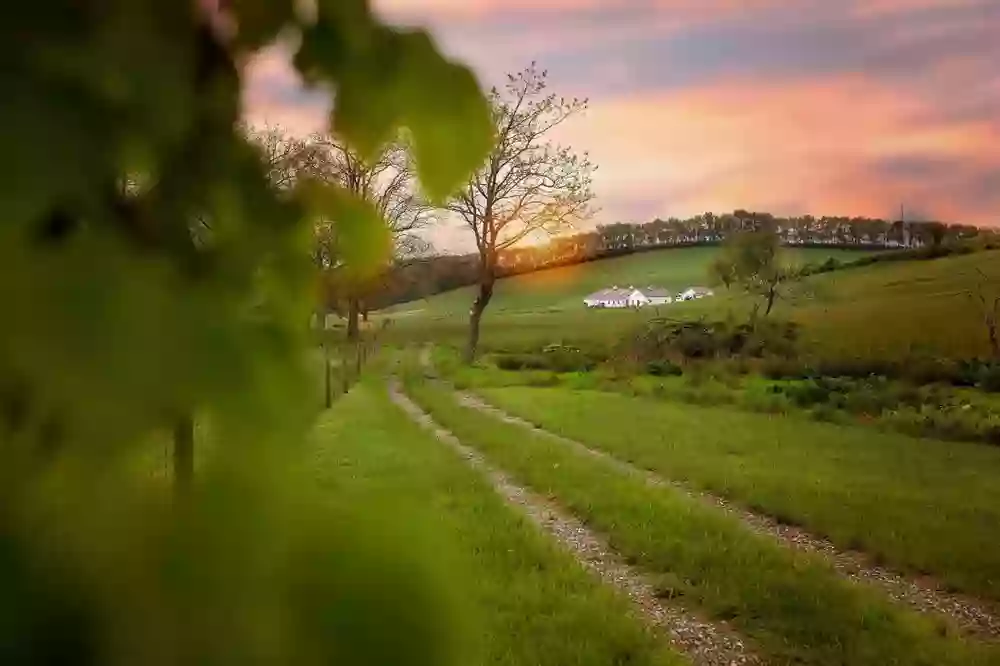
528	185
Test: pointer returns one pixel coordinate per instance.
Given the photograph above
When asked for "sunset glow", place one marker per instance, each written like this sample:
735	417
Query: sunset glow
847	108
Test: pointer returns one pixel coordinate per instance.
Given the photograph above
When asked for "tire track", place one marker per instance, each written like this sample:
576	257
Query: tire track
705	643
969	615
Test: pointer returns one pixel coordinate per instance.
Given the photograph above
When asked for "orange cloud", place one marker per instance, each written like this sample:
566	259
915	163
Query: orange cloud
819	145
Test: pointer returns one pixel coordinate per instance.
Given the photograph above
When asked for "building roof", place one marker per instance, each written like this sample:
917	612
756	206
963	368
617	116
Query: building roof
620	294
611	294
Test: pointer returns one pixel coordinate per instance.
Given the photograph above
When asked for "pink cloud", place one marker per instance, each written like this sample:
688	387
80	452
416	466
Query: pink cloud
741	144
274	96
464	10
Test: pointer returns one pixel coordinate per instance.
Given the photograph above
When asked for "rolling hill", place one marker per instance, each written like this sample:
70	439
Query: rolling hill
887	310
564	288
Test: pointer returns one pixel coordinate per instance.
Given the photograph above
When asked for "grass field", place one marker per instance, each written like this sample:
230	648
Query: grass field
920	505
888	310
792	605
526	601
563	288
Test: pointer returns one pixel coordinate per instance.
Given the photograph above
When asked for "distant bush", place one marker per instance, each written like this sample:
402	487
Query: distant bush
659	339
517	362
957	422
555	358
663	368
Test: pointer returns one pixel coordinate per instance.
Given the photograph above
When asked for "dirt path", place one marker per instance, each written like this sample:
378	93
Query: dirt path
705	643
924	595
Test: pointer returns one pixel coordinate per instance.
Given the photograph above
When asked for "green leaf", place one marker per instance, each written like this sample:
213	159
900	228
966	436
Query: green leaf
337	41
363	241
390	79
448	115
371	97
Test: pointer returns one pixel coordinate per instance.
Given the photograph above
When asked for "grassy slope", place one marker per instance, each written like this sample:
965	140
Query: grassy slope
792	604
888	310
533	603
564	288
893	309
920	504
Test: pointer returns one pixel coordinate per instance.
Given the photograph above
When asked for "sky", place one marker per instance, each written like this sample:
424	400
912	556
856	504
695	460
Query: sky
823	107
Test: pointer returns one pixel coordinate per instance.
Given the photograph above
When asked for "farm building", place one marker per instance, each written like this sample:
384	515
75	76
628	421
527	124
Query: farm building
693	293
629	297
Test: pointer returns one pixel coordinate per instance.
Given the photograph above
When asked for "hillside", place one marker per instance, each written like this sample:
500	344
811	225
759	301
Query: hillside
564	288
885	310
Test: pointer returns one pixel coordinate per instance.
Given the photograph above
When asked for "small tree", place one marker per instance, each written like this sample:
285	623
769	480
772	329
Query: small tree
987	297
389	183
721	271
753	261
527	185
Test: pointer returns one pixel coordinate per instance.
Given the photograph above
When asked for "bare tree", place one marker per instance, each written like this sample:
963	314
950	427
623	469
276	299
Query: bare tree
527	186
288	159
389	183
986	296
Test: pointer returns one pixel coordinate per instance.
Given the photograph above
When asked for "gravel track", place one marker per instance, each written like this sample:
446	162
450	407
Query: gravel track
970	616
704	643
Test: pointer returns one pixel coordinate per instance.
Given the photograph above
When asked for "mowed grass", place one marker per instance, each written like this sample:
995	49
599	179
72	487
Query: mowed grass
920	505
793	606
529	602
563	288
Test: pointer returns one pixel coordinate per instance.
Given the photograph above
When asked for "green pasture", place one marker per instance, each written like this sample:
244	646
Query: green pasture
886	310
920	505
515	598
793	606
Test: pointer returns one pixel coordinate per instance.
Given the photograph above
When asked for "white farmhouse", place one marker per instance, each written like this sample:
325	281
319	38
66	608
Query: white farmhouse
693	293
630	297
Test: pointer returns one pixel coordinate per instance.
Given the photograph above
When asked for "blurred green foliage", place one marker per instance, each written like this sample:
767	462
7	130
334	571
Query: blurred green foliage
149	270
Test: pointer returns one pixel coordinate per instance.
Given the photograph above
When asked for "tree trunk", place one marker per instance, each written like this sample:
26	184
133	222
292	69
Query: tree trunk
353	308
753	315
772	294
476	315
991	330
183	455
364	312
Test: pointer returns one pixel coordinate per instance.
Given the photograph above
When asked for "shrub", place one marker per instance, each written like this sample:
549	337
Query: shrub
563	358
663	368
988	377
557	358
825	413
663	338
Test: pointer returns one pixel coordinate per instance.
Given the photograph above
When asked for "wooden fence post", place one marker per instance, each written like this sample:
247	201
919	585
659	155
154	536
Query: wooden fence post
327	379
